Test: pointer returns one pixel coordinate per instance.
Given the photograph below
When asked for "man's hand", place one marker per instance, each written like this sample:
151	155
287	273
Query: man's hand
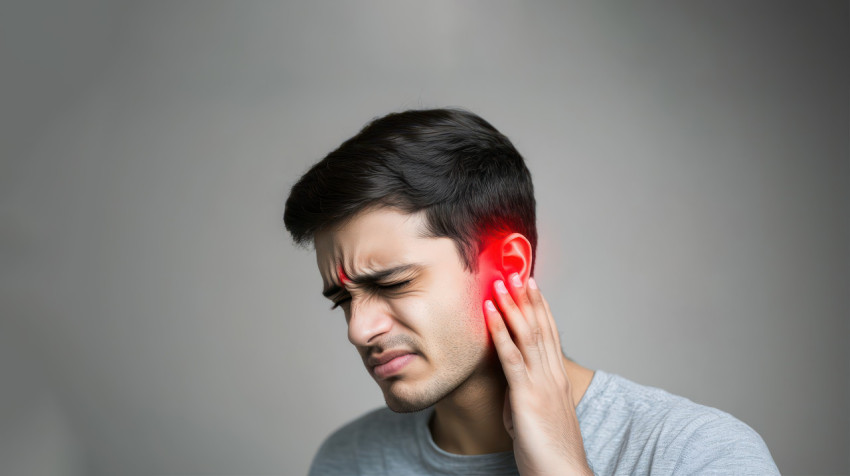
539	412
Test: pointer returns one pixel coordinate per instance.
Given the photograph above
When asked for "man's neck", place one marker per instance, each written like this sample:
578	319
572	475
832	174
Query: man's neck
470	421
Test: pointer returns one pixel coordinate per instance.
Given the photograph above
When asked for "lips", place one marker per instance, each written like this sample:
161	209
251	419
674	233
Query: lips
385	357
393	367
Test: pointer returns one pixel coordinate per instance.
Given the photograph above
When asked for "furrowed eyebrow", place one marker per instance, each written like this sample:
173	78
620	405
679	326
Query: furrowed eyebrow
373	278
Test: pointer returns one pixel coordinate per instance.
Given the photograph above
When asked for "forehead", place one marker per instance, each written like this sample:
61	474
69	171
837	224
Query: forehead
377	239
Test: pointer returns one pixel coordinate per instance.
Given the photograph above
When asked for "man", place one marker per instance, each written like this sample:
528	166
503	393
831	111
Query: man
425	236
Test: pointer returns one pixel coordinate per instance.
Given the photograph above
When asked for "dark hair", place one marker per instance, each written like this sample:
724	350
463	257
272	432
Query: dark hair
468	178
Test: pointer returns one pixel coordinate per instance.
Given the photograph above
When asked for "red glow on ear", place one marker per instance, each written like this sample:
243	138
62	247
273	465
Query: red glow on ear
489	266
502	255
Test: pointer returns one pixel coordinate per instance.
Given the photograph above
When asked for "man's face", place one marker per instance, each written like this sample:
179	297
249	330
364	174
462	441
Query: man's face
430	309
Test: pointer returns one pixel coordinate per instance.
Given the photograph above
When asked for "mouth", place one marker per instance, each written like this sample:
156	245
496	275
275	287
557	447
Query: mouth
390	363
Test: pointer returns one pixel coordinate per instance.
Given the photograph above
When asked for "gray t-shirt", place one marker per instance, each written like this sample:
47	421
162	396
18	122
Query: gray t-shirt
627	429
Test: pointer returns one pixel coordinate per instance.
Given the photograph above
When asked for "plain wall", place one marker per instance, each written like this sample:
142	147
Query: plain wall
692	174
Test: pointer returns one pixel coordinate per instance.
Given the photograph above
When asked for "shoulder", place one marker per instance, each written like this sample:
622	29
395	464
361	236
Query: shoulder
614	401
673	432
657	410
718	443
342	450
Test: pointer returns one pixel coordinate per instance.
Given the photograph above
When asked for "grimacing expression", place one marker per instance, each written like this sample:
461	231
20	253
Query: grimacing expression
428	305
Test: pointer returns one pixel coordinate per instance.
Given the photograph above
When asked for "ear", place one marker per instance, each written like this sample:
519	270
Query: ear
514	255
501	258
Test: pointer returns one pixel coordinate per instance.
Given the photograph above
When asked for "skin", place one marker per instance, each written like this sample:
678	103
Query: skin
497	378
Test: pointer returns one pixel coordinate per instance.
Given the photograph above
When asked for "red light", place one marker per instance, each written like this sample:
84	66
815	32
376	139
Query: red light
342	277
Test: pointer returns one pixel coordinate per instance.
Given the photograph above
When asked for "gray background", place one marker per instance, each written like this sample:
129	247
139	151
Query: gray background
692	173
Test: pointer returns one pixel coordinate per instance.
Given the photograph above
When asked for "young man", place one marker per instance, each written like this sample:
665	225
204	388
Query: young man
425	236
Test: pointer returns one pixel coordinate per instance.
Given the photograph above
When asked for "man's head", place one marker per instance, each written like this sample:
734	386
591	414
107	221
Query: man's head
444	200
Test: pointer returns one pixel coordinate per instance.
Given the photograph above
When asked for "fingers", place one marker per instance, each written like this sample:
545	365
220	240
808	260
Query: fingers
522	300
510	356
526	314
547	323
524	321
556	335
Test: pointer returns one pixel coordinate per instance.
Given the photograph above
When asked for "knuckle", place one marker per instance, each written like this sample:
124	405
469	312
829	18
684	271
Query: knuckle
537	335
513	359
533	337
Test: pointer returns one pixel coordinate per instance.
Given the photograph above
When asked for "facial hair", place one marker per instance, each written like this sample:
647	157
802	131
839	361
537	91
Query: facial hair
454	354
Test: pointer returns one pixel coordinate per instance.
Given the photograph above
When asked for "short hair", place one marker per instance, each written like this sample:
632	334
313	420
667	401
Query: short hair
470	181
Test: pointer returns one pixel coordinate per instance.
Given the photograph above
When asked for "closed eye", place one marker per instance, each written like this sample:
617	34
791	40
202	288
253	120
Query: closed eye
395	286
385	287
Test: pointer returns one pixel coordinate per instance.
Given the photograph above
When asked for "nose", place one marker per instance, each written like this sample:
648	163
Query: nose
367	319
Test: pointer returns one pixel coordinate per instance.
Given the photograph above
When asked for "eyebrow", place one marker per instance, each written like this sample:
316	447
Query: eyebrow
373	277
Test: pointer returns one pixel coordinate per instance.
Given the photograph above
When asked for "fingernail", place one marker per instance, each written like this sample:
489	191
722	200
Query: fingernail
532	283
516	281
500	287
489	305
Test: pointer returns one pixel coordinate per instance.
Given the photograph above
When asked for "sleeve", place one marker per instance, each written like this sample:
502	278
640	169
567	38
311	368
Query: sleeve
725	446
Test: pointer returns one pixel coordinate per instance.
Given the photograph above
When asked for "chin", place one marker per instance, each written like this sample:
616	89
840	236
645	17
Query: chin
404	406
401	398
405	396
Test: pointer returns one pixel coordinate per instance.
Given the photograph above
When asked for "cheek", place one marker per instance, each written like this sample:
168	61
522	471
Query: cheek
448	317
412	313
488	272
463	314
